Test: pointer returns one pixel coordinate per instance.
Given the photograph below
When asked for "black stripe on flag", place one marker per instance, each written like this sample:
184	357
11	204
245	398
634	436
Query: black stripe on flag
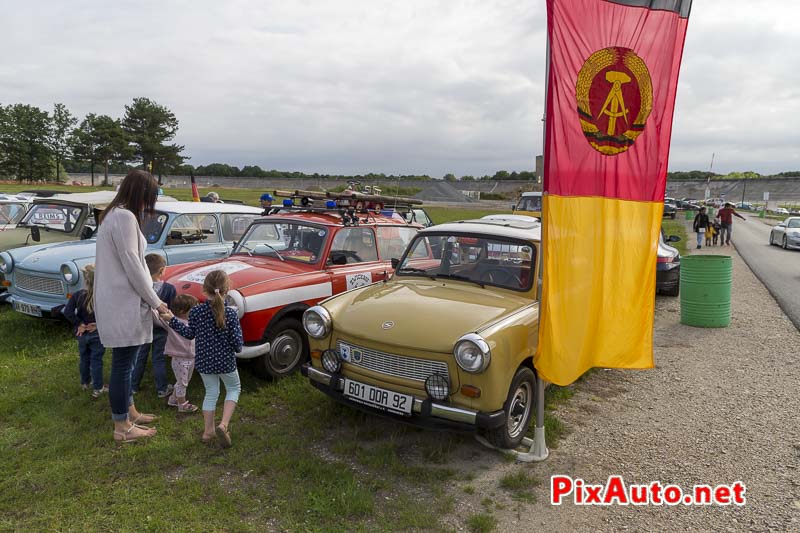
682	7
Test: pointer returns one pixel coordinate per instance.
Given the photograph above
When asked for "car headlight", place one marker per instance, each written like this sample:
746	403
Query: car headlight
236	300
472	353
70	273
6	263
317	322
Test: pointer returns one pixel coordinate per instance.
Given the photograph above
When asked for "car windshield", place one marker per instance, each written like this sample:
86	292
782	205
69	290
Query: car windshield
481	260
793	223
286	240
11	213
530	203
59	217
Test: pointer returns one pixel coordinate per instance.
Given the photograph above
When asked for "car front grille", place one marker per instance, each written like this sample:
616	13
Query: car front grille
398	366
38	284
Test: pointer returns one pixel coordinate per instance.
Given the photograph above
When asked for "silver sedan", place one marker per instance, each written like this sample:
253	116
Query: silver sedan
786	234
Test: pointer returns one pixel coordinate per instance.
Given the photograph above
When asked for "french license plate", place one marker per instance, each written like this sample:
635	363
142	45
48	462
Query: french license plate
377	397
28	309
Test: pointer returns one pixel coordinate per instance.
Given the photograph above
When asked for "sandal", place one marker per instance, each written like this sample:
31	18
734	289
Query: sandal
206	440
186	407
141	418
223	436
125	436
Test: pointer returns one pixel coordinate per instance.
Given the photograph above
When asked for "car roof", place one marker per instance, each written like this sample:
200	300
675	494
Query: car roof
531	193
180	207
13	198
98	199
333	219
527	230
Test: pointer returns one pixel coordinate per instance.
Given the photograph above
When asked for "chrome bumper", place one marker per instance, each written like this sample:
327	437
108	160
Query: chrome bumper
424	408
251	352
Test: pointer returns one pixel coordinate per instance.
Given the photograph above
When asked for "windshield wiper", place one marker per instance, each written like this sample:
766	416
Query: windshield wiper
247	249
461	278
412	269
276	252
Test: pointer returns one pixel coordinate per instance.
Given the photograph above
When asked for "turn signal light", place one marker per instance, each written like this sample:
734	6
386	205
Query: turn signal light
6	283
470	391
316	354
665	259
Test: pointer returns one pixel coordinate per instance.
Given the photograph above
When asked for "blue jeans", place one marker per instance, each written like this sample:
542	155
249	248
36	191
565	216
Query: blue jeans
159	362
725	233
701	238
211	382
119	386
91	351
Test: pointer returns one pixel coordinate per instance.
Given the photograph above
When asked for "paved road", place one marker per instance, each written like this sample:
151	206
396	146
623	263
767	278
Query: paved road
778	269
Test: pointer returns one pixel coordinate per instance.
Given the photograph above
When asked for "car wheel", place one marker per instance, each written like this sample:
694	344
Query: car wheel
518	410
784	243
288	350
771	239
672	216
673	291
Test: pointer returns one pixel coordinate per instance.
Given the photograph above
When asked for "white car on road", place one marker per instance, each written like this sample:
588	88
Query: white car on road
786	234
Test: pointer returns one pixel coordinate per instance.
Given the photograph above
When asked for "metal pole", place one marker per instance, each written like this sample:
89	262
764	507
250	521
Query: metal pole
744	188
539	451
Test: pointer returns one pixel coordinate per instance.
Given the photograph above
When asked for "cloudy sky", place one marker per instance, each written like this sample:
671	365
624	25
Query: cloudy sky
411	86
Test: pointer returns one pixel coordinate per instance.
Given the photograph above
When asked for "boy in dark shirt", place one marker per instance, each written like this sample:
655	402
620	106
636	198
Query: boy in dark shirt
166	291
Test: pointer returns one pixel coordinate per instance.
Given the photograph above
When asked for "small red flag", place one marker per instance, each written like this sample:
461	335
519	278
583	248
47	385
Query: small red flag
195	192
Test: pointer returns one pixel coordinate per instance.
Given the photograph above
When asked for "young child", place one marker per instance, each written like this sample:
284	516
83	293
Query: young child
181	350
711	235
218	336
156	264
717	227
80	312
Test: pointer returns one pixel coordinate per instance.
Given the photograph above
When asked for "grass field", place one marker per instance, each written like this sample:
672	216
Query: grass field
300	462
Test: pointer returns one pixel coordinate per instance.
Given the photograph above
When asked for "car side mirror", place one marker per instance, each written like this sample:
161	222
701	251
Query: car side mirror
513	208
781	225
395	263
86	233
35	234
673	238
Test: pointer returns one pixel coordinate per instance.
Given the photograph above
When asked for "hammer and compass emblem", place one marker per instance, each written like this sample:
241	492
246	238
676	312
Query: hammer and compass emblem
614	94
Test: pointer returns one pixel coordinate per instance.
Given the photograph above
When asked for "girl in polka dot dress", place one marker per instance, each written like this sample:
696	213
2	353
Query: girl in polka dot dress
218	336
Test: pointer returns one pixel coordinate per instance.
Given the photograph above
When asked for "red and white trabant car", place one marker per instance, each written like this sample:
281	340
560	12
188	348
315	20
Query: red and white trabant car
290	261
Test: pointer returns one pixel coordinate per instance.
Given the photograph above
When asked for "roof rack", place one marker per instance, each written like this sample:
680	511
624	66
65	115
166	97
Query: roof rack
348	214
352	198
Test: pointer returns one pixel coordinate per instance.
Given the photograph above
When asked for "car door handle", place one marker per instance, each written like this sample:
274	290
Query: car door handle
223	252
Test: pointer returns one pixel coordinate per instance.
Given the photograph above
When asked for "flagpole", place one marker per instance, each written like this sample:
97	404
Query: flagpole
539	451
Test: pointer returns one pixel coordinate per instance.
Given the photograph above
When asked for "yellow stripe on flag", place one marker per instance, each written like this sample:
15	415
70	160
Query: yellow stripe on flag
598	293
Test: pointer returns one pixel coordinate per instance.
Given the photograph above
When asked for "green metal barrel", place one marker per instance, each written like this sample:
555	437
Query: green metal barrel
706	282
690	214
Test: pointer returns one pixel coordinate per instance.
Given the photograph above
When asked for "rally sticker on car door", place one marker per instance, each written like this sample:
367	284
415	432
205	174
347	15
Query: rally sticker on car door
199	275
358	280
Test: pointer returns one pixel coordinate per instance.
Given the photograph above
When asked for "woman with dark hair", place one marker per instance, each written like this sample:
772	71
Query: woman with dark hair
124	296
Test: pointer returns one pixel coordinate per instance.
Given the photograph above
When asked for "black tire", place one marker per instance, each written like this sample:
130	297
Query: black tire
673	215
521	399
288	350
673	291
784	243
771	239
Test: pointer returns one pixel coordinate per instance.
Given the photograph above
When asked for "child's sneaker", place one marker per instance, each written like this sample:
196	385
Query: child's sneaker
171	401
96	393
186	407
166	392
86	386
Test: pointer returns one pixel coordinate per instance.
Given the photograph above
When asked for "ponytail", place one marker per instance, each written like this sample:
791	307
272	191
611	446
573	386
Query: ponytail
218	307
216	287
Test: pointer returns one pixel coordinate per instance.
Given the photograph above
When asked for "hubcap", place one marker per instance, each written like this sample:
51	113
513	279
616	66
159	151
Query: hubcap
286	349
519	410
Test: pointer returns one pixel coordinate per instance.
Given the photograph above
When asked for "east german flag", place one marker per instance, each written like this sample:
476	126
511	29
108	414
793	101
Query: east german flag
195	192
612	79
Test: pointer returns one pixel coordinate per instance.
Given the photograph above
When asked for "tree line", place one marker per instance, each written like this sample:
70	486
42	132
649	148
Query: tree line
39	145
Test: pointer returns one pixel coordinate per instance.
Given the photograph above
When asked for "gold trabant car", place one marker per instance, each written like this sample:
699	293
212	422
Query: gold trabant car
449	340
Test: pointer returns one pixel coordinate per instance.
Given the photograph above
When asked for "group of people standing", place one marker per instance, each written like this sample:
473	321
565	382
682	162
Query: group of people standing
125	296
723	223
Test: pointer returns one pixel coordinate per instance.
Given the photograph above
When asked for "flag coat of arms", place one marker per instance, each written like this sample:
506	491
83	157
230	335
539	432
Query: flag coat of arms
612	79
